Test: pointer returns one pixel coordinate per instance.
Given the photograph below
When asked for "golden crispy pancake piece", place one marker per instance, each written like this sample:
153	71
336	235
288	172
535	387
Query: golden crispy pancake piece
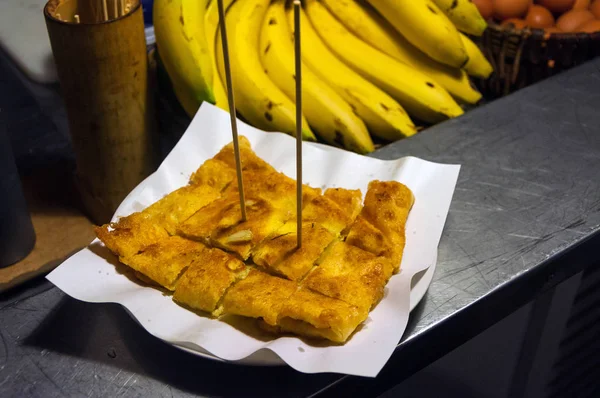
270	202
311	314
279	252
277	188
222	213
133	233
164	262
130	234
250	161
259	295
323	221
181	204
219	224
349	200
386	208
207	279
350	274
262	220
368	238
325	212
213	173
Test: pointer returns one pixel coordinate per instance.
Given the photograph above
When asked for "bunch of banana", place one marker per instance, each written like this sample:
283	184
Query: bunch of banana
367	64
325	110
184	51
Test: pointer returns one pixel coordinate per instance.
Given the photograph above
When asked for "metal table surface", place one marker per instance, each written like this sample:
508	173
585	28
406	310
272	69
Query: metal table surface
525	216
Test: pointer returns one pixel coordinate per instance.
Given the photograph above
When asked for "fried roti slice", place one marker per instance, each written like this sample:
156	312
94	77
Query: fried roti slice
277	188
259	295
181	204
311	314
323	221
349	200
134	233
321	210
250	160
164	262
220	224
207	279
131	234
386	208
214	173
270	202
272	185
262	220
223	213
279	253
350	274
365	236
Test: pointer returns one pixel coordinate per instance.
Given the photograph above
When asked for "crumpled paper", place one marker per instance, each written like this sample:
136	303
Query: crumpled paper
91	275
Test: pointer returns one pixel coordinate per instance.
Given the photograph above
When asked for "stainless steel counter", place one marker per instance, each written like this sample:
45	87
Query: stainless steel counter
525	216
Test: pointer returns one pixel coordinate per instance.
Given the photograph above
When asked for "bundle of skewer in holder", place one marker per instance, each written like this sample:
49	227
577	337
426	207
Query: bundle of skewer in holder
99	48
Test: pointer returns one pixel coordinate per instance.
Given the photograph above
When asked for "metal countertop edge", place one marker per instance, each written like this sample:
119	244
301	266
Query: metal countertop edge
468	322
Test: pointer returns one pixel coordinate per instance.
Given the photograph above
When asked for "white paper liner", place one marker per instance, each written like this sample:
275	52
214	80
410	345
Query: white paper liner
90	277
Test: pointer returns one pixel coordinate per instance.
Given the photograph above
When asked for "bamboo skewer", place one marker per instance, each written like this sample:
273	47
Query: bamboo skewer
232	113
77	20
298	65
104	10
115	9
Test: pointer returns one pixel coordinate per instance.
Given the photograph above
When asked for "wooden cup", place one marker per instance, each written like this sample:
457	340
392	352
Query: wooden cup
100	52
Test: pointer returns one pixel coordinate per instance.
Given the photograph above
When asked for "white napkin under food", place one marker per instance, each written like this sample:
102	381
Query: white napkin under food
90	275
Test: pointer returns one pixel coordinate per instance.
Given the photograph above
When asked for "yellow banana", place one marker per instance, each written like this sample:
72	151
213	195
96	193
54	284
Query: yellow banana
211	29
258	99
464	15
369	26
426	27
478	65
325	110
184	51
384	117
415	91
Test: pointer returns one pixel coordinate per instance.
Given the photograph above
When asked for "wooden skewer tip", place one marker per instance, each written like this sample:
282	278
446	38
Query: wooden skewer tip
298	67
104	10
231	100
77	20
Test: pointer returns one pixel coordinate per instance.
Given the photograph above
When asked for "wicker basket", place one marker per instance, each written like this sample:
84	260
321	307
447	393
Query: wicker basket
523	57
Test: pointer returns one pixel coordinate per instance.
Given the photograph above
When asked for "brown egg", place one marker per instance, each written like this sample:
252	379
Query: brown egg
595	8
516	22
504	9
570	21
539	17
485	7
590	26
557	6
581	4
